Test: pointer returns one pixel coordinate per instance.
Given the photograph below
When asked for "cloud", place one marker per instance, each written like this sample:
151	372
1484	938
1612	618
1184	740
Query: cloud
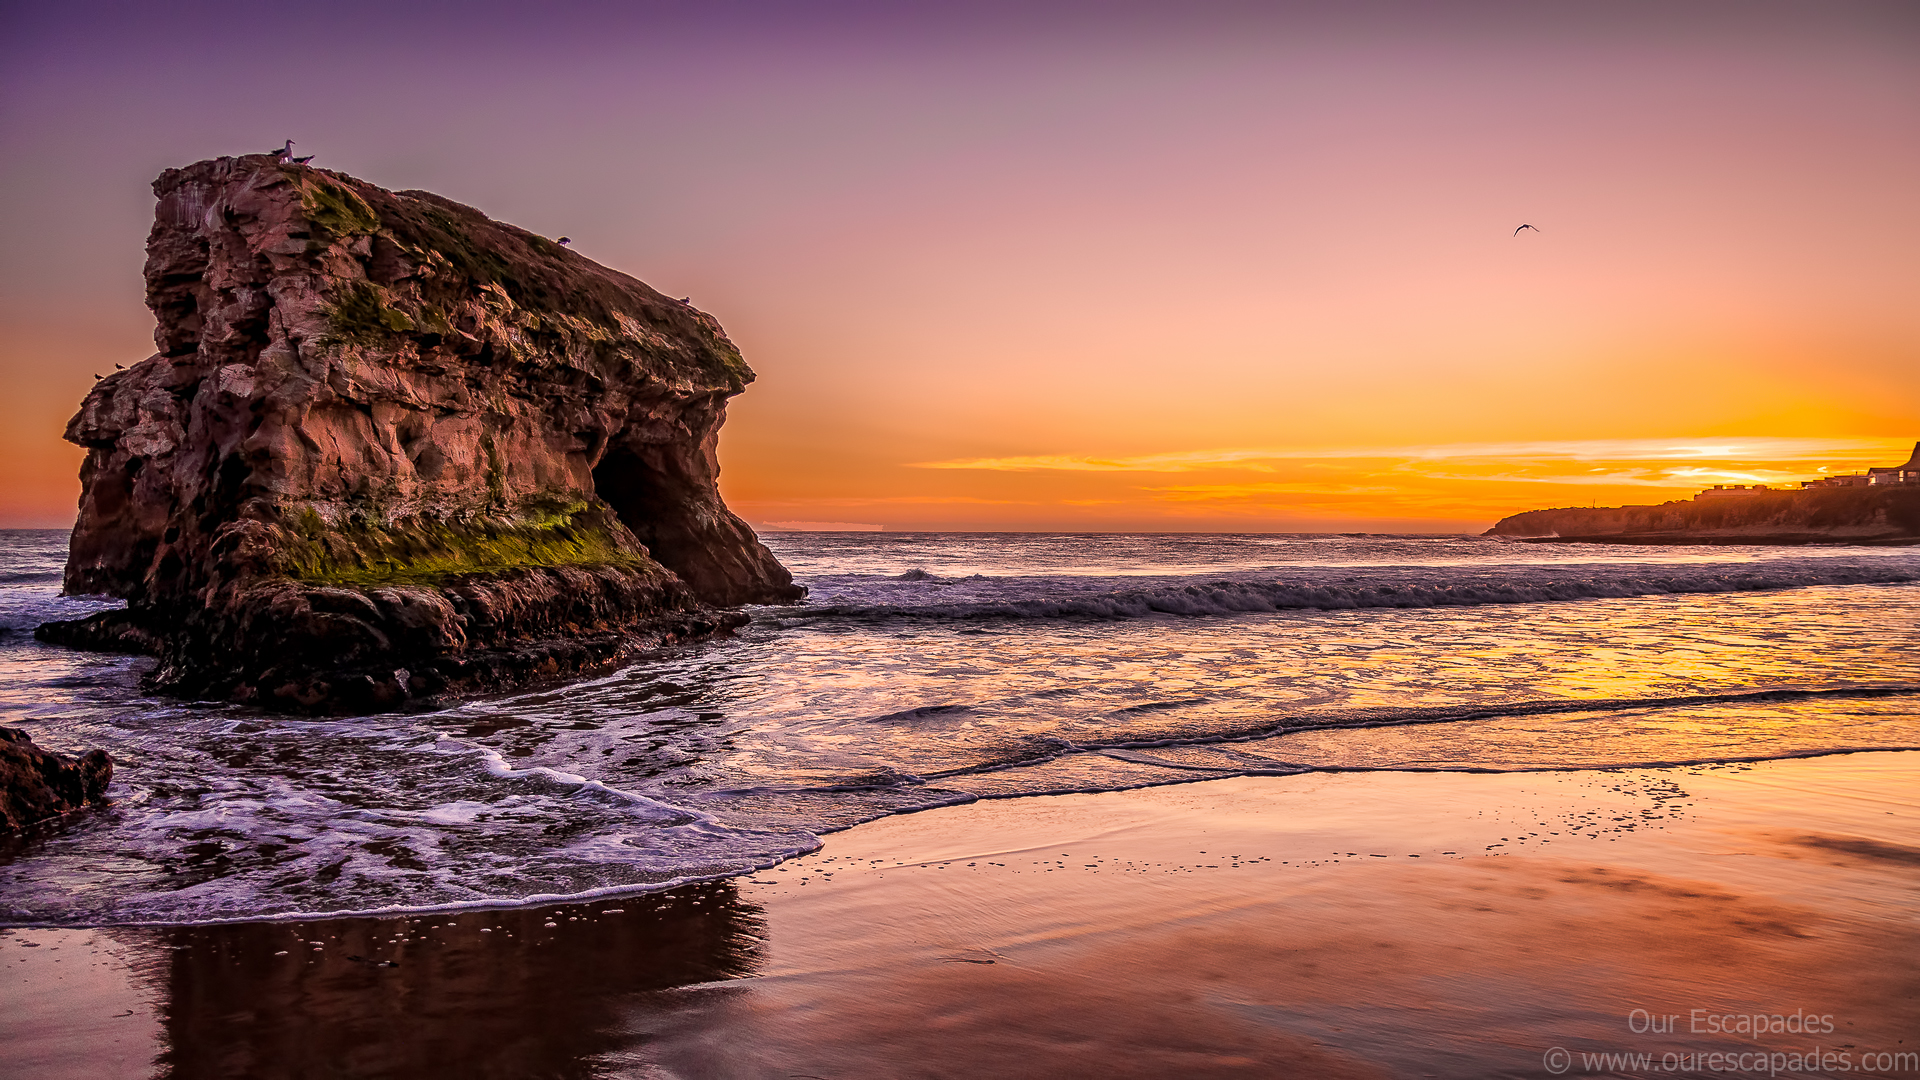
1209	492
1662	478
821	526
1264	459
764	506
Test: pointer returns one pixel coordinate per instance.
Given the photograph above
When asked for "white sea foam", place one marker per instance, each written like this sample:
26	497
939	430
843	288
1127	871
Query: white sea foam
932	671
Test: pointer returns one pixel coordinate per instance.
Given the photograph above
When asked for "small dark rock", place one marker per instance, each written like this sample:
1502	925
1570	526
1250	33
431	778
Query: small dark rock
120	631
37	785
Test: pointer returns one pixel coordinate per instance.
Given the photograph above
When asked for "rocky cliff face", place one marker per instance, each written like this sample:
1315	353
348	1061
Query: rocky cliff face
1834	515
390	447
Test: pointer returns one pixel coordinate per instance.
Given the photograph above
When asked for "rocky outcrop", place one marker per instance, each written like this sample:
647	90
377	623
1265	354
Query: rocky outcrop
1860	515
37	785
390	448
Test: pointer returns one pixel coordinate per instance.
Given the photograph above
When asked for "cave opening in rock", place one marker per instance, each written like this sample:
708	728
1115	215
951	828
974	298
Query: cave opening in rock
657	501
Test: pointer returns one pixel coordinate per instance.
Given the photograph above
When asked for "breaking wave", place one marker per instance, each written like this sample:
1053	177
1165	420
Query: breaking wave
910	596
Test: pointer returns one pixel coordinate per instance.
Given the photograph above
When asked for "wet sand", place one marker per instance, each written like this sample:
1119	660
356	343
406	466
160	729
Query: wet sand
1330	925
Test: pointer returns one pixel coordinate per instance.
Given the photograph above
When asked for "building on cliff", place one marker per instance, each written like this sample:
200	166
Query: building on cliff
1907	473
1842	480
1892	475
390	448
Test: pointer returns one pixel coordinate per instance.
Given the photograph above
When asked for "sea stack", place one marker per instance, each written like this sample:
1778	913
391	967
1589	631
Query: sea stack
390	448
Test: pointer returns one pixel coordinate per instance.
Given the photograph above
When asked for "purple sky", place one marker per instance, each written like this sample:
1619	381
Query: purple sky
972	231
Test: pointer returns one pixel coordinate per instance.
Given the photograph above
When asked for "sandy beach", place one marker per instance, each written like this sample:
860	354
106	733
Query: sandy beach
1335	924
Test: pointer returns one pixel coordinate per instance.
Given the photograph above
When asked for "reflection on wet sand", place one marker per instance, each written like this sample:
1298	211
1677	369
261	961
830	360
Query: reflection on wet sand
491	993
1334	925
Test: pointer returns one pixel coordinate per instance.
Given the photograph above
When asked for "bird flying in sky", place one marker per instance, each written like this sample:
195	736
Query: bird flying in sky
1516	232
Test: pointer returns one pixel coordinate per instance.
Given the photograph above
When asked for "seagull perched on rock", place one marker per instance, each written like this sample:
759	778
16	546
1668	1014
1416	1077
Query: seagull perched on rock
564	241
303	160
282	153
1516	232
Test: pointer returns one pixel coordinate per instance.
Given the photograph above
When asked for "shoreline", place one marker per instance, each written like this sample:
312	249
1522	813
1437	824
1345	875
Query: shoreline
636	892
1357	924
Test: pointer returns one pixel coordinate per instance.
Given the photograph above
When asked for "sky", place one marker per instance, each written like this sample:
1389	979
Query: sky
1084	266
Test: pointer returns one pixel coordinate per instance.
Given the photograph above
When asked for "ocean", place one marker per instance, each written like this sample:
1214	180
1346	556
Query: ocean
927	670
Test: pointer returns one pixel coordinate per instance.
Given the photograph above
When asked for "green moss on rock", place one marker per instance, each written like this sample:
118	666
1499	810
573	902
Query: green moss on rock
361	315
439	552
335	208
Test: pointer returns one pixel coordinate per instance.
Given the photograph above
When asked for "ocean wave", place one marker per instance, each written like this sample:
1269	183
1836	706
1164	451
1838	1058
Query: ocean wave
707	762
1201	773
1048	748
341	833
925	714
1391	717
1052	598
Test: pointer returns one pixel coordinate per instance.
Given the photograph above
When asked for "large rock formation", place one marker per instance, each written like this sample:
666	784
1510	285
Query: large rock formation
38	785
390	447
1858	515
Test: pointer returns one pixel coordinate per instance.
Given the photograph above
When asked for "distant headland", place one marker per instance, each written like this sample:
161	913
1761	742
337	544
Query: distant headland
1879	506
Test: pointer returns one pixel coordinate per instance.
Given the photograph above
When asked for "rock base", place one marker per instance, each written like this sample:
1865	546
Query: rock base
292	647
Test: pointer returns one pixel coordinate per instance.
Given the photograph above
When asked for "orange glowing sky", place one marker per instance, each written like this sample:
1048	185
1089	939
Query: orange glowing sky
1191	269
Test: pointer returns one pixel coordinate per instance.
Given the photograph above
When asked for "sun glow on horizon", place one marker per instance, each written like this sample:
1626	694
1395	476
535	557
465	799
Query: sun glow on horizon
1198	269
1458	486
1259	459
